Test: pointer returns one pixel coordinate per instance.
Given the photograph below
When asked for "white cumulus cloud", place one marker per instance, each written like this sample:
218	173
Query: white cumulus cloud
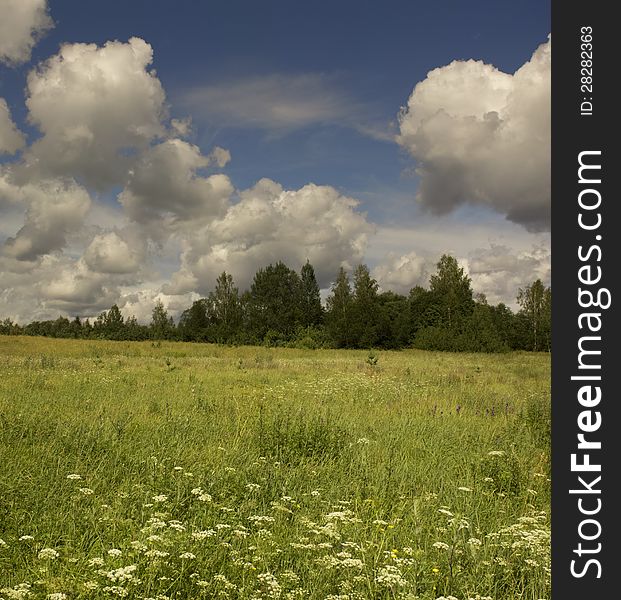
22	23
110	253
164	188
54	207
482	136
96	106
11	138
269	224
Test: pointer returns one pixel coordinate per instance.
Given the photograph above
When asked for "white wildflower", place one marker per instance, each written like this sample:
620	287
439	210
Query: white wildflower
96	562
390	576
116	590
48	553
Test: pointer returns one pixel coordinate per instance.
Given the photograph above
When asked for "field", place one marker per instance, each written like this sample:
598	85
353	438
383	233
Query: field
161	471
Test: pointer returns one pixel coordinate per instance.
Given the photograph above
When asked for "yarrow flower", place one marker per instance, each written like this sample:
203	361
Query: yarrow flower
74	476
96	562
86	491
114	552
187	556
57	596
441	545
48	554
26	538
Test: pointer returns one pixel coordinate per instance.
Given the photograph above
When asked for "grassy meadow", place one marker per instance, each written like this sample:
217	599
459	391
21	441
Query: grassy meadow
172	471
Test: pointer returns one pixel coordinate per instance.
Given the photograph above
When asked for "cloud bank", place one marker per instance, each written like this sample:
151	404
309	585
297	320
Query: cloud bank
113	205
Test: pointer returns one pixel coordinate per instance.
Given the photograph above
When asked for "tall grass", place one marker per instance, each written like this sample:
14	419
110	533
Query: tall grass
195	471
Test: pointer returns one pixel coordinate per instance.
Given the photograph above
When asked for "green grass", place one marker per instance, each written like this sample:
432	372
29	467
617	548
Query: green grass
217	472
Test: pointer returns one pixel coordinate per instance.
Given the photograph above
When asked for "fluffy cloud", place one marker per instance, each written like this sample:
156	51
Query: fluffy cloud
110	253
77	290
96	106
164	189
22	22
498	271
54	207
483	136
269	224
401	273
11	139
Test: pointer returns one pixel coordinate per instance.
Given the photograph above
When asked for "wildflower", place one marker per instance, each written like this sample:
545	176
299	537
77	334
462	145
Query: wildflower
116	590
187	556
91	585
139	546
201	535
156	554
363	440
96	562
464	489
74	476
441	545
114	552
315	493
19	592
261	519
271	584
57	596
448	513
86	491
25	538
176	525
122	574
48	553
178	469
253	487
159	498
496	453
390	576
352	563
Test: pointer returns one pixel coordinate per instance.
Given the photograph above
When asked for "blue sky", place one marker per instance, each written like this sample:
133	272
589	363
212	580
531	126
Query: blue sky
299	93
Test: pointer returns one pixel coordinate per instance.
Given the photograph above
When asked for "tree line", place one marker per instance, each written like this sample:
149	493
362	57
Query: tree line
283	308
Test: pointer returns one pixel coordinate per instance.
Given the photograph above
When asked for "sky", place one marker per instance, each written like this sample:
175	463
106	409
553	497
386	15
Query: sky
147	146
